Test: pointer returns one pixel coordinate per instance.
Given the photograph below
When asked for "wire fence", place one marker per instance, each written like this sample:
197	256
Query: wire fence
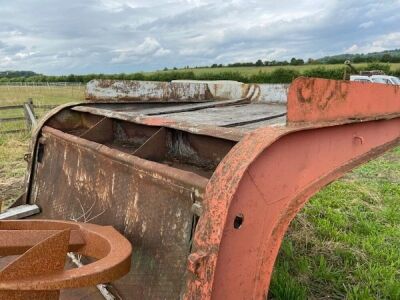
47	84
26	114
15	94
44	97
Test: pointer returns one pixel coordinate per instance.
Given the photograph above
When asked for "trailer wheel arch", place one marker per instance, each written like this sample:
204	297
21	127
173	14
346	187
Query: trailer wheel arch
230	263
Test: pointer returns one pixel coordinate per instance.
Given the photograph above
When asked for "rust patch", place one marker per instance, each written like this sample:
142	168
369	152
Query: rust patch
314	100
39	271
148	91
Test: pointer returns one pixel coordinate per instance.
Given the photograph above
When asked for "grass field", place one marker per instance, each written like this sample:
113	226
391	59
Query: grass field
345	244
41	95
14	146
254	70
10	95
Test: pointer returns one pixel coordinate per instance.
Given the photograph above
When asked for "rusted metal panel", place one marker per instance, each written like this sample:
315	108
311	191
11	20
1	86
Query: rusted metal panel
232	134
12	244
178	108
183	91
229	116
272	93
38	270
223	89
148	202
131	91
314	100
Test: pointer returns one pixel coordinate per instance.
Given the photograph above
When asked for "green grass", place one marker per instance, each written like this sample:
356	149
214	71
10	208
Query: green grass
10	95
14	146
41	95
345	244
248	71
12	166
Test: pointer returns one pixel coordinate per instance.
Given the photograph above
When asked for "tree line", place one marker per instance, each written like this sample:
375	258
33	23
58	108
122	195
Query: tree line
379	57
279	75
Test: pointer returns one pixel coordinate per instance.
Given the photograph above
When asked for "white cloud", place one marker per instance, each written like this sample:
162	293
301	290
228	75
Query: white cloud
384	42
353	49
388	41
22	55
142	52
367	25
132	35
6	62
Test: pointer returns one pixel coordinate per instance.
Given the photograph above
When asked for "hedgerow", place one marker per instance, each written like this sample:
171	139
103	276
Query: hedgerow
279	75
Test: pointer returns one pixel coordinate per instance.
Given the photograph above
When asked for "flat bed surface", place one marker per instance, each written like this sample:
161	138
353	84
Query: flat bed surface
231	113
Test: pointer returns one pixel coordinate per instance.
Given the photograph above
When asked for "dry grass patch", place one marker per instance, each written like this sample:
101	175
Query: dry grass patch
12	167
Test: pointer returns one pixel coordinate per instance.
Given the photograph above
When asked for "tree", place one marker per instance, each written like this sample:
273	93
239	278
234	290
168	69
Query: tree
296	62
311	61
259	63
386	58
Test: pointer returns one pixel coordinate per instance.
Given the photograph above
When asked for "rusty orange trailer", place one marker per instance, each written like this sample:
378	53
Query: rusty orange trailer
204	185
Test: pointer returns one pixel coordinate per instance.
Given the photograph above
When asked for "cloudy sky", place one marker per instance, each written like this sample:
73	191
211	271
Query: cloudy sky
82	36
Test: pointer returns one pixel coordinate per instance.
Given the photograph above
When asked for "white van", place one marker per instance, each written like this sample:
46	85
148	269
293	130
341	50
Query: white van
360	78
385	79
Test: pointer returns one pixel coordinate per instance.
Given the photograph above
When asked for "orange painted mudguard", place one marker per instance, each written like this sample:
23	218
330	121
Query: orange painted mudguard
259	187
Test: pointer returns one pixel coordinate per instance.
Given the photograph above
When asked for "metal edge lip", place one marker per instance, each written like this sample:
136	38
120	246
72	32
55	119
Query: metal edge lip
189	180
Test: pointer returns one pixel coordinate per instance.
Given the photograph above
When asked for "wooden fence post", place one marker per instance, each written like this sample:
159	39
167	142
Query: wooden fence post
29	114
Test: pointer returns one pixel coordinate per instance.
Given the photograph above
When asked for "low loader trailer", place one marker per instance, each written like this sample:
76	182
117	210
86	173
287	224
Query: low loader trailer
202	178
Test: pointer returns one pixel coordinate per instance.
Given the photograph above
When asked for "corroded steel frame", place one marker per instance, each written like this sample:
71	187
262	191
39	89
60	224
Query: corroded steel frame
270	174
261	184
41	248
